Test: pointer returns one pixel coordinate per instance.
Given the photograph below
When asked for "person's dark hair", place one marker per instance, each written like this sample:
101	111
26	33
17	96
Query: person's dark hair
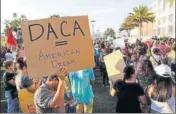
50	78
19	46
174	47
102	46
163	90
147	68
21	65
8	51
128	71
156	50
8	64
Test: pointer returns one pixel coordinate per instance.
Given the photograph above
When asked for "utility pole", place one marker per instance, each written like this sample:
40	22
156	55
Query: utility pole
93	29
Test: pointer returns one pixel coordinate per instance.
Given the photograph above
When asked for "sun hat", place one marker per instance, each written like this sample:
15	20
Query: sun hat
164	71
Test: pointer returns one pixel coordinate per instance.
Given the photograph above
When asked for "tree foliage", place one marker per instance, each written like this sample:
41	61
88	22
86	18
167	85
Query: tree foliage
109	32
54	16
141	14
14	23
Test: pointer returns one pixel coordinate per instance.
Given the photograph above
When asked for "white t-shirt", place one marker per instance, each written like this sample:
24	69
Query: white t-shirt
9	57
161	106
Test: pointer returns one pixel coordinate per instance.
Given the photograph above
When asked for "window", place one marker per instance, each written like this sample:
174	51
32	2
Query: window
164	6
158	31
171	3
164	30
155	33
159	2
164	19
170	30
158	22
171	16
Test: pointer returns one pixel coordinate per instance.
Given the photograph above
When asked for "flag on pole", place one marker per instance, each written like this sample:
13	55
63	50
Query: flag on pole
10	38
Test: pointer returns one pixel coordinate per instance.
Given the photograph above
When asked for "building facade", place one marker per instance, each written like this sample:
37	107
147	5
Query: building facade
164	24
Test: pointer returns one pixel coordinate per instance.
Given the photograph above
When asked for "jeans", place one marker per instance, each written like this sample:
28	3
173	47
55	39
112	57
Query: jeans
68	96
12	104
69	108
104	74
97	58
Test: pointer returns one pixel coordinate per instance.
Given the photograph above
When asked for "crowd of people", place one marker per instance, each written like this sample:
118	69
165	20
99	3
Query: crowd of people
61	92
148	84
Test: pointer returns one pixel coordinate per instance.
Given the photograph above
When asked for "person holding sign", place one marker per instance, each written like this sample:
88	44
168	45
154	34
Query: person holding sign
49	96
130	95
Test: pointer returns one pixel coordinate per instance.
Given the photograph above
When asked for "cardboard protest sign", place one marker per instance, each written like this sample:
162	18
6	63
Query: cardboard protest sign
52	43
114	64
119	43
26	100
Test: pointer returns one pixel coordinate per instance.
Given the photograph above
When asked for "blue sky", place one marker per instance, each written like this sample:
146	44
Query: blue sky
107	13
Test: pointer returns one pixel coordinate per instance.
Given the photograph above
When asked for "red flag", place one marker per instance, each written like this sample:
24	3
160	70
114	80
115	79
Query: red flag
11	40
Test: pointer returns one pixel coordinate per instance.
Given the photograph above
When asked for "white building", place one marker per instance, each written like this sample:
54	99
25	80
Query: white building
164	24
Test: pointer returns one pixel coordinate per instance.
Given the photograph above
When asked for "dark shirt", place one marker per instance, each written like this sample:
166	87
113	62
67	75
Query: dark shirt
2	55
7	77
9	87
128	94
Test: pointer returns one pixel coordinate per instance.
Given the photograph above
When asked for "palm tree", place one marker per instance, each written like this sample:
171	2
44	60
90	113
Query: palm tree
15	23
128	25
141	14
23	17
14	15
109	32
54	16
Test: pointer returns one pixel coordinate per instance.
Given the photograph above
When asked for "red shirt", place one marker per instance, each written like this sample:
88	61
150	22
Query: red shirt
163	48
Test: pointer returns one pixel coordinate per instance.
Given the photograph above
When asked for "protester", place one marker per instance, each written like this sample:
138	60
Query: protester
82	89
128	92
147	71
103	70
171	57
148	53
125	54
70	102
14	53
160	91
23	81
10	88
163	48
9	56
134	61
49	97
3	52
156	57
146	74
97	55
